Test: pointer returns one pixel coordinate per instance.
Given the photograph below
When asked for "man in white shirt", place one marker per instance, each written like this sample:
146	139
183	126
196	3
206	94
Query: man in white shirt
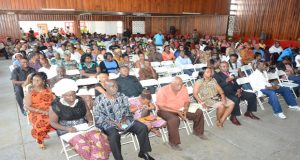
275	51
259	82
49	69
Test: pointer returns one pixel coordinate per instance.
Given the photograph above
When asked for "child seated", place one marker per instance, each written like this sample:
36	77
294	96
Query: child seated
141	107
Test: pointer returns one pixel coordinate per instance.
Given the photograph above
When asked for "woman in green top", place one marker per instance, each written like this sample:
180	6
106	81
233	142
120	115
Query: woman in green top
208	93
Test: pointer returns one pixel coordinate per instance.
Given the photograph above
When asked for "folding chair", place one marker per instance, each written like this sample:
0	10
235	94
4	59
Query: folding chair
133	140
194	76
66	147
290	85
162	71
149	82
164	80
163	131
244	80
86	81
185	79
167	63
11	68
199	66
174	70
134	72
113	75
72	72
247	70
155	64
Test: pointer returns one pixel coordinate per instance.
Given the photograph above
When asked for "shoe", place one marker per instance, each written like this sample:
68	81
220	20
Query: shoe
294	108
235	121
280	115
145	156
175	147
24	112
251	115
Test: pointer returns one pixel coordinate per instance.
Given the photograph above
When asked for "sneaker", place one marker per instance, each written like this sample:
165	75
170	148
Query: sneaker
294	108
280	115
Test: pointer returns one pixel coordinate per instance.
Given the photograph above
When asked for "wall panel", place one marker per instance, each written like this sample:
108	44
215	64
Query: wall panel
279	19
150	6
213	25
9	26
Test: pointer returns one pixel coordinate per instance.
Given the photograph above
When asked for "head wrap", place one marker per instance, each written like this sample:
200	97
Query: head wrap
63	86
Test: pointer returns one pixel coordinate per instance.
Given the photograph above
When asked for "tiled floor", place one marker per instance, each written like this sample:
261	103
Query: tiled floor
267	139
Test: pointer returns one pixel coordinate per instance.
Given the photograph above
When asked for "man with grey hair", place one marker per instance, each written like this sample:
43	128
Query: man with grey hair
113	117
61	73
173	103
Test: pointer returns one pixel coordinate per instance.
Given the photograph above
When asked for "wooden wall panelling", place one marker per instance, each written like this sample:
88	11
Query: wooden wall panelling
149	6
9	26
214	25
277	18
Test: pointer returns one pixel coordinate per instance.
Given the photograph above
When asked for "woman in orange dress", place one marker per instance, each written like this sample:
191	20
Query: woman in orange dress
38	101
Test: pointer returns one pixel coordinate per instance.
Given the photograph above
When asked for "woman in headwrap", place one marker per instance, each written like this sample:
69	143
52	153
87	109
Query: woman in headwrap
67	112
38	101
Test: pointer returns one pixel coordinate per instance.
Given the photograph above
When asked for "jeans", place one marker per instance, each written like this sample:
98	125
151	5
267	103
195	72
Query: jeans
273	99
188	71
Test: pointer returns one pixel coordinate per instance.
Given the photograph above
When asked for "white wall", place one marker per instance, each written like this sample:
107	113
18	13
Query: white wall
26	25
107	27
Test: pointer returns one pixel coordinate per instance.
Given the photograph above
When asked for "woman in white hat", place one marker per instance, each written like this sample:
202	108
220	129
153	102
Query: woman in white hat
67	112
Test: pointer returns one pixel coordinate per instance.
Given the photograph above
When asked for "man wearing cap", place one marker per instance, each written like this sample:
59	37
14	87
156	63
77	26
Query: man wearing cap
112	116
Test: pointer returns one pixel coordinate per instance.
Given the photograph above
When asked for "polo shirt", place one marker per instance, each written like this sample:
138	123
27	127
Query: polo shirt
166	97
158	39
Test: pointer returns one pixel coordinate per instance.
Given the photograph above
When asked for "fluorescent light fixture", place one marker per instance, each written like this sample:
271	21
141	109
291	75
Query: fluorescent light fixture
58	9
232	13
233	7
10	13
190	13
234	1
83	14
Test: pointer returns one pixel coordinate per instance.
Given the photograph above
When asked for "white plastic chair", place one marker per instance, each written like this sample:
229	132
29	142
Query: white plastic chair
86	81
72	72
199	66
113	75
155	64
188	66
290	85
149	82
11	68
247	68
167	63
244	80
164	80
185	78
174	70
162	71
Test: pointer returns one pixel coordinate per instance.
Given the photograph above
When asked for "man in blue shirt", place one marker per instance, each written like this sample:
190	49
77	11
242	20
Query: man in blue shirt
183	59
159	39
288	52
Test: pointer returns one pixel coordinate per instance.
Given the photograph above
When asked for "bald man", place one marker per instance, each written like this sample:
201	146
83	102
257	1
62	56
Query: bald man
173	102
112	116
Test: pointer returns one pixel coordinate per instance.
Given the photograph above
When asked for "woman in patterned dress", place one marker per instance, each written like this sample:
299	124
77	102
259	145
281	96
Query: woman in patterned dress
69	111
38	101
208	93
